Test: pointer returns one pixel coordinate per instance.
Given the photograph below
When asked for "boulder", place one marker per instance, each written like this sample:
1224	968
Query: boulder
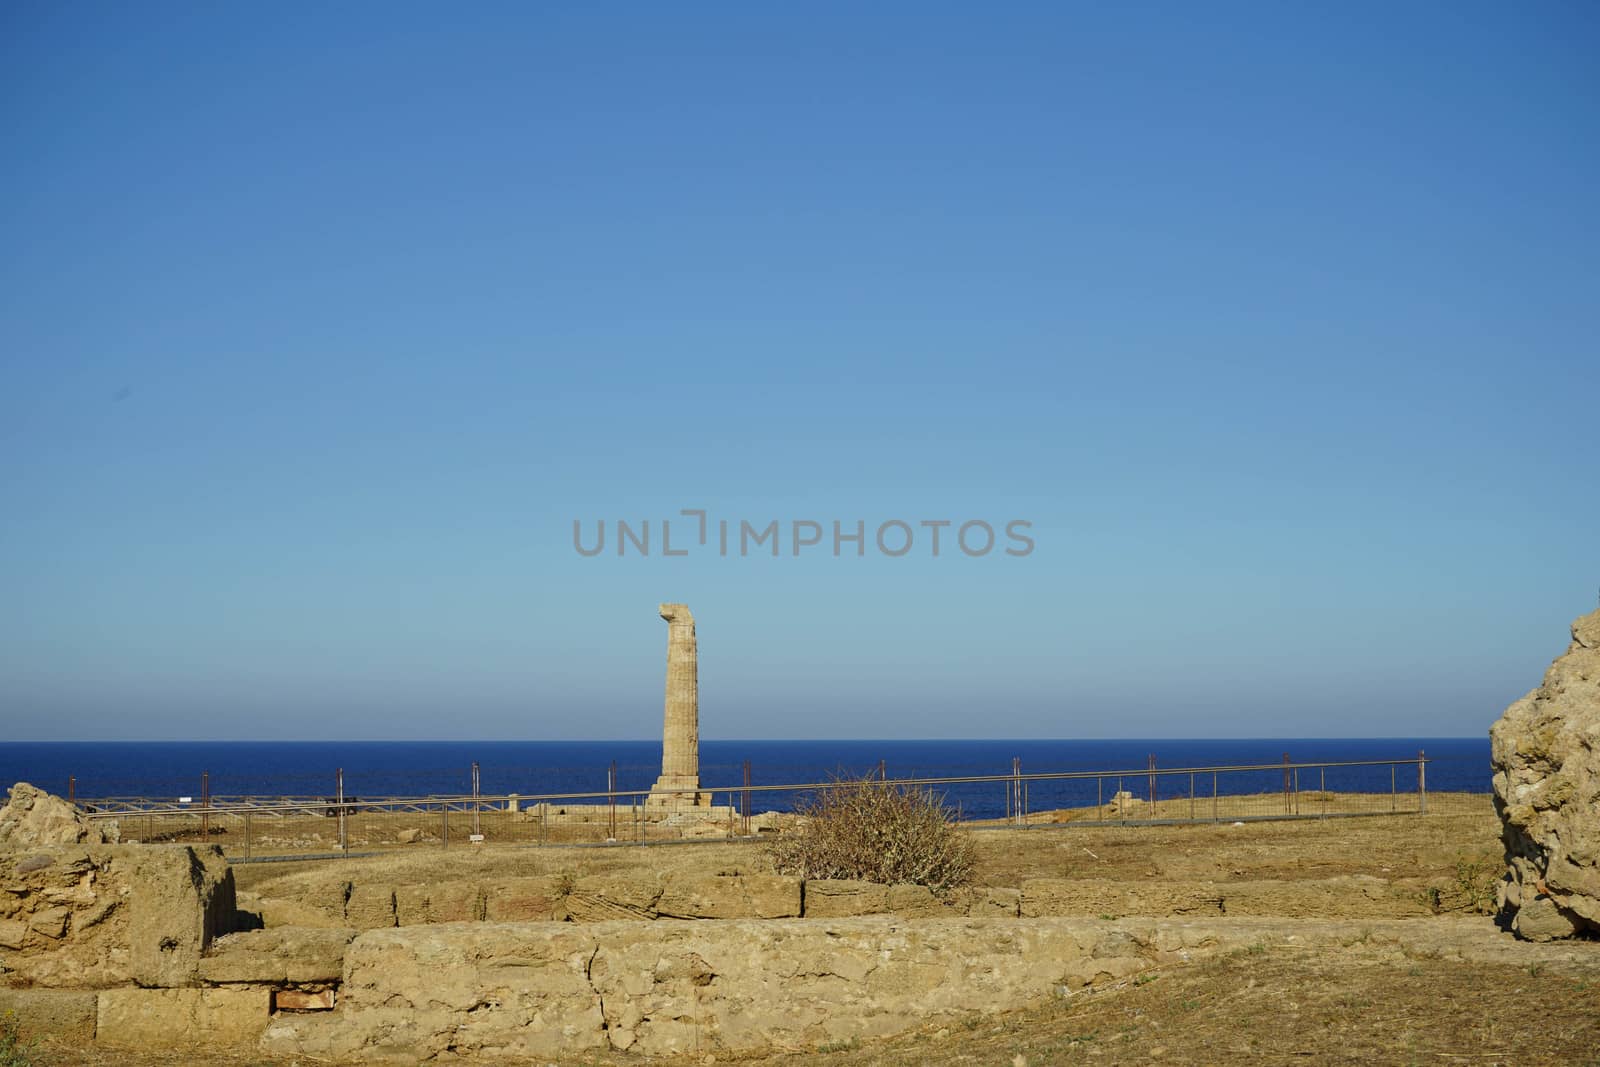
33	817
1546	759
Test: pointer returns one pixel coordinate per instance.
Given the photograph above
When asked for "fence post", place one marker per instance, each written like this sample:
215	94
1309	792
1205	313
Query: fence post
1214	796
344	841
1191	796
477	826
1422	782
1392	793
1287	809
72	789
247	834
444	827
745	804
611	801
1323	789
205	802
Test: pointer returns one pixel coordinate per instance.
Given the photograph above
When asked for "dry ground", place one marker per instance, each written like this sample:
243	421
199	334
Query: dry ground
1462	839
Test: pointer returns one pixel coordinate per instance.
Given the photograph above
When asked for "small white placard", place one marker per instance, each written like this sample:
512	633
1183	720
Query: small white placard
186	800
476	839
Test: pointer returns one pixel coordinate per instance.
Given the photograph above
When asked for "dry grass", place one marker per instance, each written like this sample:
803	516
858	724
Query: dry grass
1277	1007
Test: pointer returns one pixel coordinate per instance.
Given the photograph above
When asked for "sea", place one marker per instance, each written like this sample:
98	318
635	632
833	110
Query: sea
373	769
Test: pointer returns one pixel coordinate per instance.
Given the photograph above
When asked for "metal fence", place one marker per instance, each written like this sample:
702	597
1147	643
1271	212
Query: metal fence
337	823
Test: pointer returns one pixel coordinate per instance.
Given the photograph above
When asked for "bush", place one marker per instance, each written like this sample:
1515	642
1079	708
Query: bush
866	829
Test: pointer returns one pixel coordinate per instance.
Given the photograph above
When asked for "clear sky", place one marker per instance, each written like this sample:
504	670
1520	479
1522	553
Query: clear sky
321	324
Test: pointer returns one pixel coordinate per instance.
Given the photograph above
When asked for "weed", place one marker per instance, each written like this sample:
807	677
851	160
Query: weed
1535	969
847	1045
1144	979
14	1052
1475	883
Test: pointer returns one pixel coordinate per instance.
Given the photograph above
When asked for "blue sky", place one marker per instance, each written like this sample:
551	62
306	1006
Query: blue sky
319	327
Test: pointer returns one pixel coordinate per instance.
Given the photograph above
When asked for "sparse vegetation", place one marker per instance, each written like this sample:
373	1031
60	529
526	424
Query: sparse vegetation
1475	882
863	828
14	1051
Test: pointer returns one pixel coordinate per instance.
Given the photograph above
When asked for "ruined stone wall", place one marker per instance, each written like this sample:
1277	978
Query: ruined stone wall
74	916
1546	757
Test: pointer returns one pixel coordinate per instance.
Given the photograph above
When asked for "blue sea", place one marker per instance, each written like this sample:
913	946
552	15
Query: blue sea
423	768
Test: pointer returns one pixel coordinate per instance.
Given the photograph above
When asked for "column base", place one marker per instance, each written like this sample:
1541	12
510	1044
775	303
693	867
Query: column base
686	795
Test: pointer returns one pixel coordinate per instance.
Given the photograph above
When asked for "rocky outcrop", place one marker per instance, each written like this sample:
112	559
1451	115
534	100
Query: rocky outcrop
32	817
1546	756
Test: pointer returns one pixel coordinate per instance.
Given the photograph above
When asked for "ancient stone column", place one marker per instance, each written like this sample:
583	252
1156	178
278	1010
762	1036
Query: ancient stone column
680	735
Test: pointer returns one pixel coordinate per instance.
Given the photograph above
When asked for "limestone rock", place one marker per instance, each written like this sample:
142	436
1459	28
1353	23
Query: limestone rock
370	906
64	1014
601	898
530	899
837	898
1546	759
33	817
181	1018
439	902
287	954
182	898
736	896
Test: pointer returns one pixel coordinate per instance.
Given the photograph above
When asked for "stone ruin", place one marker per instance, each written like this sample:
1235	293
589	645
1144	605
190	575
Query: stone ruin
1546	755
679	784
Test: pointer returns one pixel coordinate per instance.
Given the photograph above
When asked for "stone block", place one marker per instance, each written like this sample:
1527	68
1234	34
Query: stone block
182	898
12	934
60	1014
602	898
533	899
738	896
439	902
370	907
837	898
278	955
993	902
181	1018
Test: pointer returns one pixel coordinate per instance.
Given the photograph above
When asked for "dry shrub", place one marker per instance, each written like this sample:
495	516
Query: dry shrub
873	831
